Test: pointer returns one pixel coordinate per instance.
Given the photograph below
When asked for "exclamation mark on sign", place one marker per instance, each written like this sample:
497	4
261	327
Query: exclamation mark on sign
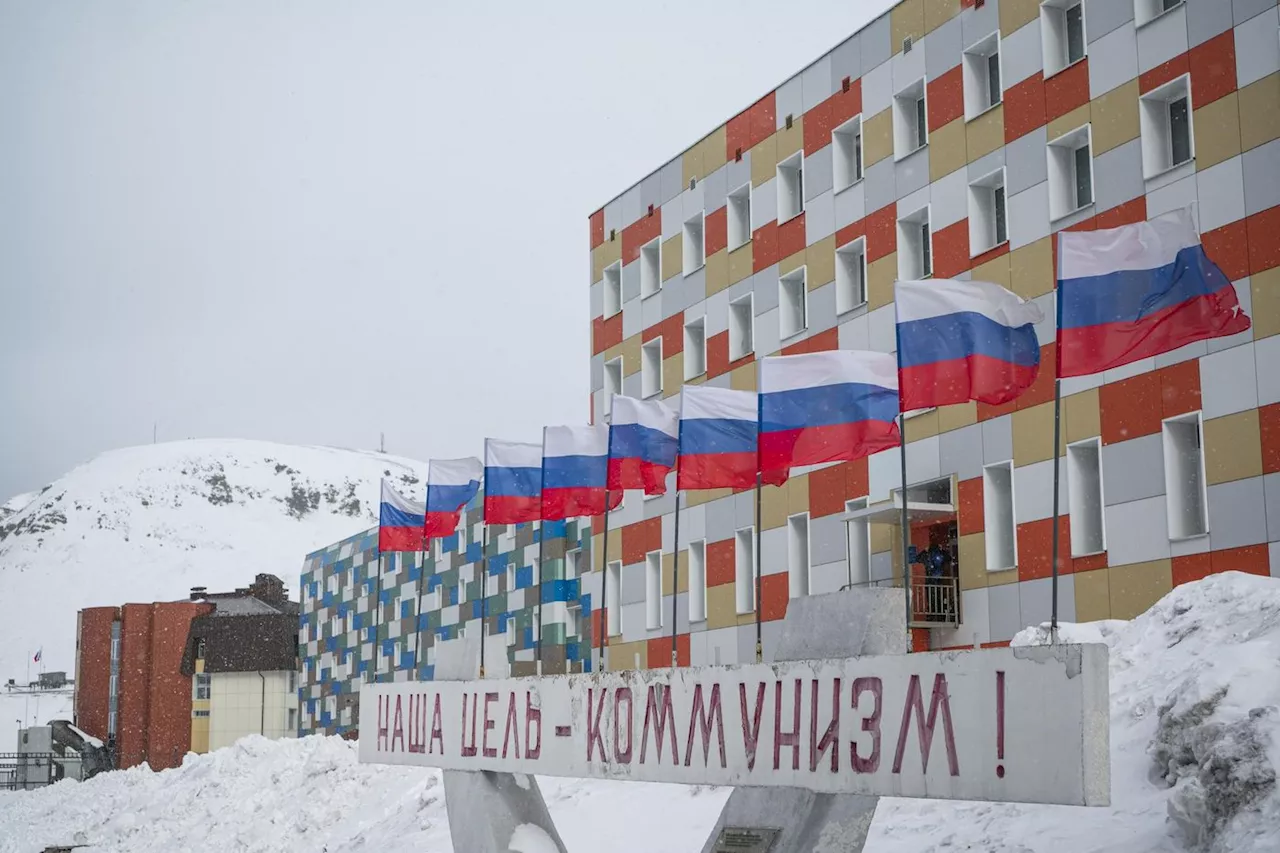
1000	722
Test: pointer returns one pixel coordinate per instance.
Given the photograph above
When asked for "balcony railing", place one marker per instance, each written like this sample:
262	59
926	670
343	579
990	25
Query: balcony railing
935	602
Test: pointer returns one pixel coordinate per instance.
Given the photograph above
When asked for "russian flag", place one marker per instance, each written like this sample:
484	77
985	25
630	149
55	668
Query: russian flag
718	438
451	484
512	481
399	521
964	340
825	407
644	438
575	464
1137	291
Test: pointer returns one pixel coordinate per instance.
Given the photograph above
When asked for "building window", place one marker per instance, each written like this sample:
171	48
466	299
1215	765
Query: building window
859	545
612	383
910	125
739	215
744	569
1061	34
200	713
1146	11
613	606
793	304
511	575
651	268
997	514
1184	481
571	628
741	328
651	368
1084	490
698	581
981	72
200	686
791	187
695	348
798	554
292	724
1070	173
462	591
915	246
1165	117
988	220
653	590
573	564
851	275
695	248
612	289
846	149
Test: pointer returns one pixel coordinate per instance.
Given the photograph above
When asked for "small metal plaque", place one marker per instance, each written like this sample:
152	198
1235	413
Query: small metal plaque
746	839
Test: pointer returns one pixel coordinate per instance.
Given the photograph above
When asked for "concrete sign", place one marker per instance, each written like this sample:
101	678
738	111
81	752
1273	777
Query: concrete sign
1007	725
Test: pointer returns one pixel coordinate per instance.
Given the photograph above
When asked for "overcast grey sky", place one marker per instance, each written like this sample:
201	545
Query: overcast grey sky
312	222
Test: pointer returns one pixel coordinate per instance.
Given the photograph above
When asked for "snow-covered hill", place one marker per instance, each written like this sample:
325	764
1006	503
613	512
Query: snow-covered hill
1195	747
148	523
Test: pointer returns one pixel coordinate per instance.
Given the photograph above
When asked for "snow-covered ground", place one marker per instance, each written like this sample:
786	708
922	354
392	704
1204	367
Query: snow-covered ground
1195	733
148	523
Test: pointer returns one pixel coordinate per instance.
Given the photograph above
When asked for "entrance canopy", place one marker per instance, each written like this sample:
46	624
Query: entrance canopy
918	512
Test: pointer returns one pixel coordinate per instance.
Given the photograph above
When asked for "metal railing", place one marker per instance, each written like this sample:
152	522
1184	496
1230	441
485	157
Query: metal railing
21	771
935	602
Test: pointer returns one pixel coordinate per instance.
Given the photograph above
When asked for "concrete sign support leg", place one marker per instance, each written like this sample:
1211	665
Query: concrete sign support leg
839	625
485	808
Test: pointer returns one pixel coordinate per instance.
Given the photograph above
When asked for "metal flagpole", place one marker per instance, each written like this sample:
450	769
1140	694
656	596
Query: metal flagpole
542	541
902	453
604	582
756	555
1057	437
377	625
484	590
675	580
417	611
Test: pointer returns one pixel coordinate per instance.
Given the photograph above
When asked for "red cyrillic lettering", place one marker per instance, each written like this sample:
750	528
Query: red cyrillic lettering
469	751
871	724
817	747
593	728
485	749
437	729
622	756
751	731
511	732
661	715
532	728
781	738
915	702
703	717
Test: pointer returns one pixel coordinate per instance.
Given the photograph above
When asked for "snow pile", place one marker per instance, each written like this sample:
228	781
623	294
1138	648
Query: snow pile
148	523
308	795
1195	744
1195	739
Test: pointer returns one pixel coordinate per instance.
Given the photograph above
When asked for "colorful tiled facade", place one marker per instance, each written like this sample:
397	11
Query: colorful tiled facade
340	629
652	299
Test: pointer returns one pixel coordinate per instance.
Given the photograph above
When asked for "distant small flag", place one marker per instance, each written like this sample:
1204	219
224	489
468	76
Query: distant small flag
823	407
718	438
39	654
512	481
964	340
575	464
400	521
1133	292
451	484
643	439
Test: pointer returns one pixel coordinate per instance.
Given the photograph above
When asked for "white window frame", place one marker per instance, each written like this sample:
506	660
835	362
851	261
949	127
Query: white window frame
918	263
1146	11
613	599
799	555
1063	180
977	76
694	243
991	523
739	216
613	289
1175	479
651	268
742	338
851	294
908	136
744	575
984	229
697	581
1077	489
573	560
695	344
857	545
612	366
511	575
790	185
847	154
653	591
793	303
1054	39
651	368
1157	126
